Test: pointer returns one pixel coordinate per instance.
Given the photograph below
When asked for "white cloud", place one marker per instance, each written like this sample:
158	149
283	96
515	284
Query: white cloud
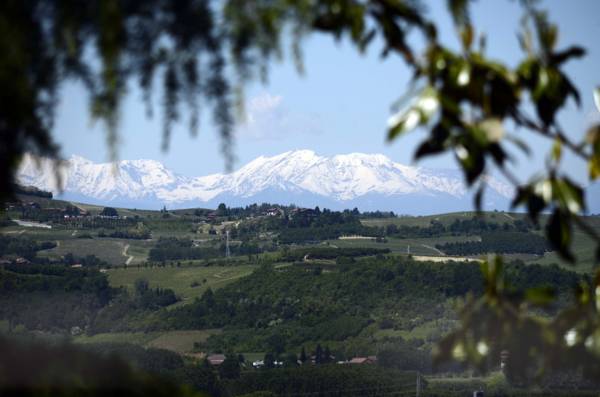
267	118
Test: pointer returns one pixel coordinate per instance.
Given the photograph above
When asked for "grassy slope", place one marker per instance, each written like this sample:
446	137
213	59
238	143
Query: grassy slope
110	250
418	246
180	279
177	341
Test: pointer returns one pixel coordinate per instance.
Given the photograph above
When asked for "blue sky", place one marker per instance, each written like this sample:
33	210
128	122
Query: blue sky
341	103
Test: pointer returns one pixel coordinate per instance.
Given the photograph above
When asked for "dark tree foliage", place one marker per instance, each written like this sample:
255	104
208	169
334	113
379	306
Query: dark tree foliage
22	247
32	191
43	297
332	379
499	243
171	248
34	368
230	368
331	253
109	211
280	310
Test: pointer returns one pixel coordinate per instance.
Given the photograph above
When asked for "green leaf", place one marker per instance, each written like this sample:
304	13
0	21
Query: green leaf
558	232
556	153
569	195
459	9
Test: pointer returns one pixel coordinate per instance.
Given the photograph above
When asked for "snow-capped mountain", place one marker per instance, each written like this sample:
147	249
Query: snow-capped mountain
367	181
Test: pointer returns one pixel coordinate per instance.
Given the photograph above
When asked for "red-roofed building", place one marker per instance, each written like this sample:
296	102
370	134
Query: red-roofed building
216	359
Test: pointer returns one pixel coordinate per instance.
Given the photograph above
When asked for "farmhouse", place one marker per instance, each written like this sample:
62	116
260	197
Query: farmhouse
363	360
216	359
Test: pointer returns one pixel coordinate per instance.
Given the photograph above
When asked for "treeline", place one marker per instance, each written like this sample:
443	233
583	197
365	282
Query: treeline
308	234
499	243
171	248
86	261
331	253
31	191
471	226
133	234
326	225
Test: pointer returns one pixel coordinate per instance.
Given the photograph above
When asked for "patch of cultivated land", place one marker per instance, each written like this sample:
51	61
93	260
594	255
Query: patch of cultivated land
109	250
180	279
177	341
418	246
38	234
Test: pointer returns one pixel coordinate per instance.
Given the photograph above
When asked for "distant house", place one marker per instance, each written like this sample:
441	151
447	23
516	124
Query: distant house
258	363
216	359
22	261
363	360
273	211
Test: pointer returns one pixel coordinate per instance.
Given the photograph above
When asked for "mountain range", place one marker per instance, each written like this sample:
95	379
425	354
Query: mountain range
301	177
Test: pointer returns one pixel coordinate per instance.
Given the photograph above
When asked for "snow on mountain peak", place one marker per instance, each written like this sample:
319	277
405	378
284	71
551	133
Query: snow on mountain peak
290	176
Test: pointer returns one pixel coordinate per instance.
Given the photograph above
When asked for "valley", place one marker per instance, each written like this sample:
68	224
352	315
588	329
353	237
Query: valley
265	283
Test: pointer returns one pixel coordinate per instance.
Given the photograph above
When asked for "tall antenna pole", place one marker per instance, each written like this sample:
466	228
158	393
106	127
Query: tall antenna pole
227	250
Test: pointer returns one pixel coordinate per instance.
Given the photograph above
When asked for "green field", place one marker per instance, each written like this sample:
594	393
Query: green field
177	341
583	248
180	279
418	246
109	250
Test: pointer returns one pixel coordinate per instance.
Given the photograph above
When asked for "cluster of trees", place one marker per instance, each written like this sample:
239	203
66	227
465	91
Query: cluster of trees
499	243
51	297
311	233
153	298
471	226
330	253
24	247
132	233
172	248
109	211
277	310
31	191
377	214
87	261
